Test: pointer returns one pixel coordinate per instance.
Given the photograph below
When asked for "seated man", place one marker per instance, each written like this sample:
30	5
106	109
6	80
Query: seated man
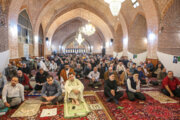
51	91
40	79
142	77
110	70
53	66
121	72
26	70
73	90
171	85
133	69
150	66
110	89
24	80
64	72
94	78
87	69
3	82
163	74
13	93
133	88
10	71
78	71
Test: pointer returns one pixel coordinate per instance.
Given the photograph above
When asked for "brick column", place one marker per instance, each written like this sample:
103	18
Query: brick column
152	26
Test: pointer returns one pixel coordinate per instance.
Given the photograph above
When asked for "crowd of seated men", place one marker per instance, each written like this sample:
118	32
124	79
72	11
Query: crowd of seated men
112	72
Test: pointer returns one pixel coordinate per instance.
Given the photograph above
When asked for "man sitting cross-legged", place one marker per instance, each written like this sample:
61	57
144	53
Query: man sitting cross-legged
51	91
133	88
13	93
24	80
94	78
171	85
73	90
40	79
110	89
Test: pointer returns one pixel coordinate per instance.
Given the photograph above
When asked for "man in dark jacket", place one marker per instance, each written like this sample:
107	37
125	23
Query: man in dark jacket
110	89
40	79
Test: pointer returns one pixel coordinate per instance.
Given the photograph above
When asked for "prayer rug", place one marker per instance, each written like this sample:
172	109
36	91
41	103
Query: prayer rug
98	112
74	111
135	110
27	109
34	93
160	97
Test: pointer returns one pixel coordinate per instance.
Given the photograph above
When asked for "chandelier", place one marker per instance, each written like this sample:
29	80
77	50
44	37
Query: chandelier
115	6
88	29
79	38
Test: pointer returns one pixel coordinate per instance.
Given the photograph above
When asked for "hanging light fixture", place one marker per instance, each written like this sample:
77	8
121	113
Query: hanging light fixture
115	6
88	29
79	38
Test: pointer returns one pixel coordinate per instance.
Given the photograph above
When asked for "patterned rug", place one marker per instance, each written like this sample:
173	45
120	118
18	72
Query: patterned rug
98	111
27	109
149	110
160	97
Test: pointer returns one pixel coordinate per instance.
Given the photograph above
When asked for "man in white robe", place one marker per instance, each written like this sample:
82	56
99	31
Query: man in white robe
73	90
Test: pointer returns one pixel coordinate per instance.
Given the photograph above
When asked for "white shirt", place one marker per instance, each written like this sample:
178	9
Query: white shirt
120	68
13	91
53	66
130	88
96	75
43	66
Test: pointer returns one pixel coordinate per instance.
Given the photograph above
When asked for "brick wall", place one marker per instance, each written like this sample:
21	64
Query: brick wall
3	27
169	37
137	33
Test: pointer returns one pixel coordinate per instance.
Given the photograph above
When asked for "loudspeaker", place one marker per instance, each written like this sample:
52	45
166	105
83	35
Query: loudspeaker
103	52
47	38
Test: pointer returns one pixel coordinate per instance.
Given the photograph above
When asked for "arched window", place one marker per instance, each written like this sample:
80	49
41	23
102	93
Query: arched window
25	34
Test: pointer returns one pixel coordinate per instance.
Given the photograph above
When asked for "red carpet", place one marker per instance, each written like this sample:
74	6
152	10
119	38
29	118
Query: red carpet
150	110
95	114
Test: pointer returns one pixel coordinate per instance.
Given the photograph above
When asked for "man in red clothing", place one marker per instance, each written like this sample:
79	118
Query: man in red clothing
24	80
171	85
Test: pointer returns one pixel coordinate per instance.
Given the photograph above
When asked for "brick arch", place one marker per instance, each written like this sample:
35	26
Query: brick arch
136	15
72	26
76	6
137	33
168	5
85	14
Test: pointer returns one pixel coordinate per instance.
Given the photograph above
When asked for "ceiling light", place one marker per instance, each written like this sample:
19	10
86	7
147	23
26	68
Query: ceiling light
115	6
